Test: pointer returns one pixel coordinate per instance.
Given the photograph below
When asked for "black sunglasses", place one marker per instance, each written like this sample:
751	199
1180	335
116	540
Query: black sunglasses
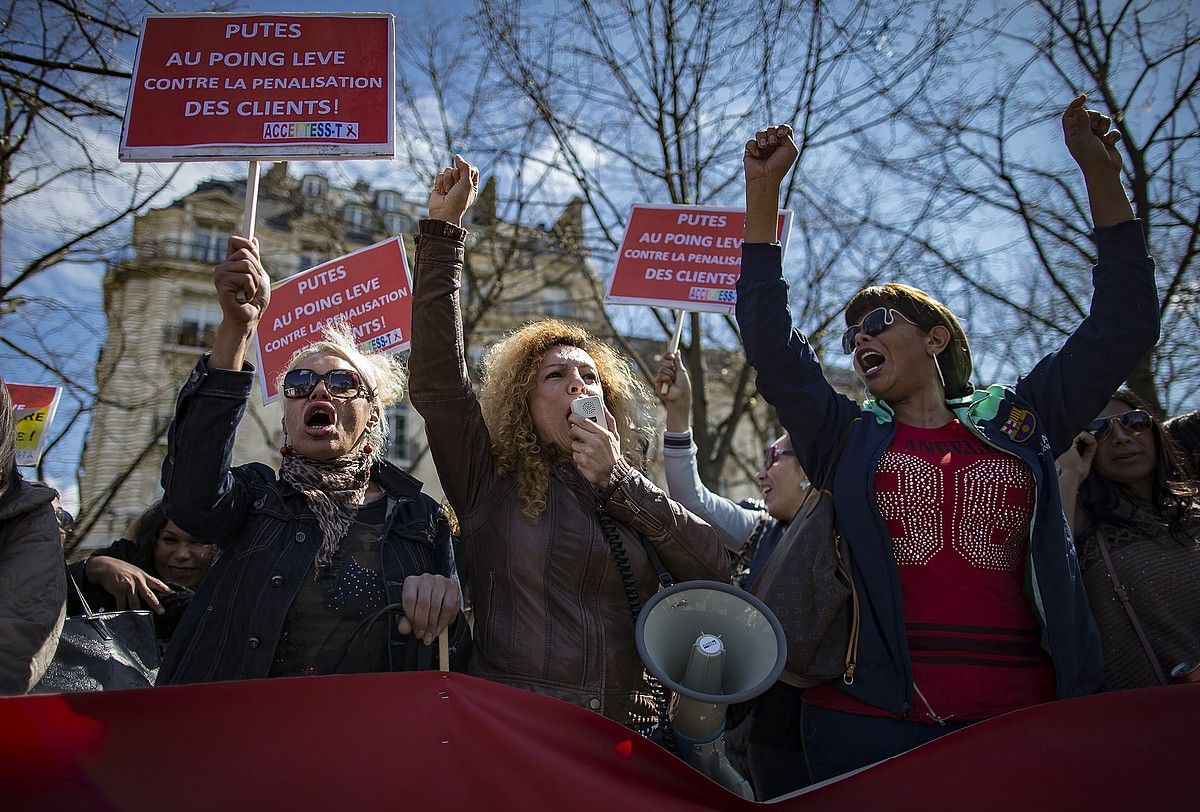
1134	422
343	384
872	324
773	455
65	520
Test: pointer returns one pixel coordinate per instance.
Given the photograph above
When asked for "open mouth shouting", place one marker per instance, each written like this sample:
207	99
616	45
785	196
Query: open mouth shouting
869	361
319	419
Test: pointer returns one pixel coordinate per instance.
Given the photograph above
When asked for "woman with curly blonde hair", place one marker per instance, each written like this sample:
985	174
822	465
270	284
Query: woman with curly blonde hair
511	373
561	528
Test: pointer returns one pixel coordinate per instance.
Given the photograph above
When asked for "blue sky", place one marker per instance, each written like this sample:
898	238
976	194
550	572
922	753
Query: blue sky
444	8
74	333
79	329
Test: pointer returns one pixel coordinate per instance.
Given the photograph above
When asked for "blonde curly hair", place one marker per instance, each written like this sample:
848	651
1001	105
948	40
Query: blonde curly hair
510	371
384	375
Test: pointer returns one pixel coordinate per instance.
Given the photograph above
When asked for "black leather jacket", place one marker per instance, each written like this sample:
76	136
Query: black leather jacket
269	538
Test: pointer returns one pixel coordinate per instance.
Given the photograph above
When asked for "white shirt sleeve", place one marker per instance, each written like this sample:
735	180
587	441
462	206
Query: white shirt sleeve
685	487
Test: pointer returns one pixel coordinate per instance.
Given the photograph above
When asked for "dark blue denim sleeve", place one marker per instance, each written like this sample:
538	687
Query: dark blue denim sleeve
789	375
201	493
1071	385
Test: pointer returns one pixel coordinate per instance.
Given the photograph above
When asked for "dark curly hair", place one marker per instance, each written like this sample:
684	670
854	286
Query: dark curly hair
144	534
1174	489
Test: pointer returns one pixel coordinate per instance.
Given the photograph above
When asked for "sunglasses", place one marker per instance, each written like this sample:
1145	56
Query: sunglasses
1134	422
773	455
65	520
872	324
343	384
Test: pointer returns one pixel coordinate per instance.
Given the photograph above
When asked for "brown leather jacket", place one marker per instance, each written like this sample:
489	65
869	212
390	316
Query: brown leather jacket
551	615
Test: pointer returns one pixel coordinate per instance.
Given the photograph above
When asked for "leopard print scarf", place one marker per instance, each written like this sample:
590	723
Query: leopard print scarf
334	490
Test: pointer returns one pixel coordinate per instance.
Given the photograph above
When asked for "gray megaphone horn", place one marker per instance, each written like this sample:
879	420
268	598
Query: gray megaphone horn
712	645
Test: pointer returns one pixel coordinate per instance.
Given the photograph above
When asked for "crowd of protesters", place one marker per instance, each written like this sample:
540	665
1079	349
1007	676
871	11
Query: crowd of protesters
1011	544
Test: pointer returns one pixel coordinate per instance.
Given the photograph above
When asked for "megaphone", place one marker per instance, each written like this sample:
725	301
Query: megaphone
712	645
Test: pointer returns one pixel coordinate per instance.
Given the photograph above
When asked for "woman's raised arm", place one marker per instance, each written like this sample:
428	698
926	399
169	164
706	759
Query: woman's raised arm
439	386
244	291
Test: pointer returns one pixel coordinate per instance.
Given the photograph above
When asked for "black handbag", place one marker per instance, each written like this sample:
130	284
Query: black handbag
102	651
808	585
355	657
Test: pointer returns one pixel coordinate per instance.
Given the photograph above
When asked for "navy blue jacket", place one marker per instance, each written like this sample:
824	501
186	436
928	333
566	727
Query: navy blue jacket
1035	421
268	539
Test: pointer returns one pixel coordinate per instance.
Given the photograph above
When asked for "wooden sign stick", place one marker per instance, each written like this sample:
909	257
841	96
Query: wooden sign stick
673	347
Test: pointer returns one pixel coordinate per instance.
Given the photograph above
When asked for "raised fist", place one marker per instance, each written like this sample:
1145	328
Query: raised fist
243	287
453	192
769	156
1088	137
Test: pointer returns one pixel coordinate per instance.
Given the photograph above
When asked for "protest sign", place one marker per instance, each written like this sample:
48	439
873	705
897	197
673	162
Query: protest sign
33	407
254	86
370	288
683	257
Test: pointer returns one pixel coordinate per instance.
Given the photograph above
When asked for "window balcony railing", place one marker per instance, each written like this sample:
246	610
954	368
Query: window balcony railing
189	335
277	263
206	251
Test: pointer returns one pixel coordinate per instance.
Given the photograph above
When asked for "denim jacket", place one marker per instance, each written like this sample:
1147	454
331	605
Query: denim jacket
268	538
1035	421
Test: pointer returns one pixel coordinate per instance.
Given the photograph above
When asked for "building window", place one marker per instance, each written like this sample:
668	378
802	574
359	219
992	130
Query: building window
198	320
399	449
310	257
208	245
357	217
315	186
396	223
557	303
554	302
388	201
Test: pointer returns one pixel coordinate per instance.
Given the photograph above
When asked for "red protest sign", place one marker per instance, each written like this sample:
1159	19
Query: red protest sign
683	257
370	288
33	408
254	86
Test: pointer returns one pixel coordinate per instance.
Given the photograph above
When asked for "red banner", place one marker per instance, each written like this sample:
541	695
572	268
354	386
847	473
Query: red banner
33	407
253	86
370	288
683	257
448	741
